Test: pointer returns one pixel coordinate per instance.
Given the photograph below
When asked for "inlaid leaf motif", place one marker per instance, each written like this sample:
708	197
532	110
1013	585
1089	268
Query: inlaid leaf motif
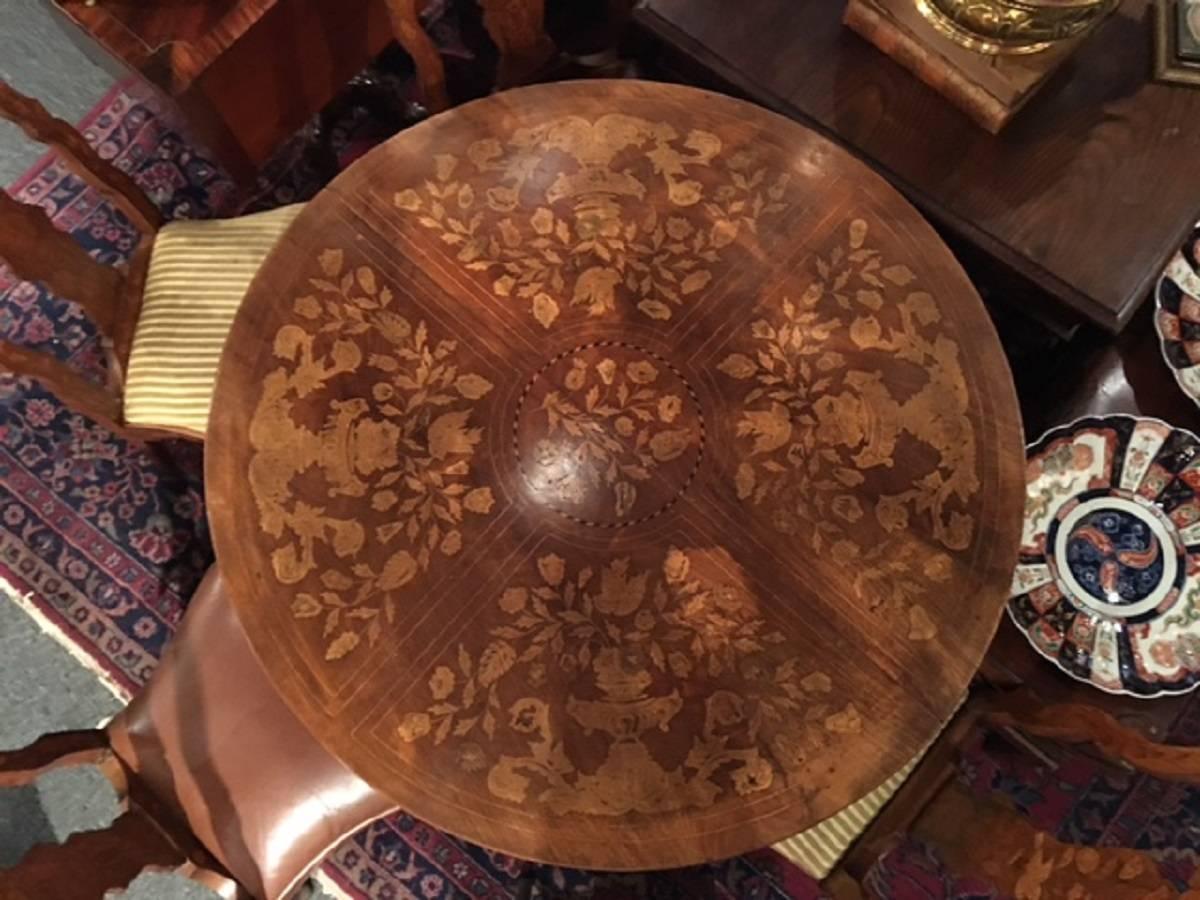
399	570
496	660
624	638
626	497
617	422
407	449
341	645
920	626
847	721
472	386
305	606
813	429
736	365
479	501
596	240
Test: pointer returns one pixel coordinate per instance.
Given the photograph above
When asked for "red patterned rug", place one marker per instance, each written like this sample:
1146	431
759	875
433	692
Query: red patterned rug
106	541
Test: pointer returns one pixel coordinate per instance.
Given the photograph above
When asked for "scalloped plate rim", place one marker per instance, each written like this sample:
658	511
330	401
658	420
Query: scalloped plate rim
1065	428
1176	373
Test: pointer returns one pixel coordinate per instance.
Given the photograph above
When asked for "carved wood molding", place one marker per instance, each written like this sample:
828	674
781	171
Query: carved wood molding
1080	723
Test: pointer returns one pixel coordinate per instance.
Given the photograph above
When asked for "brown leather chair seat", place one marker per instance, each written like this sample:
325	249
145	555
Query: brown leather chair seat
213	740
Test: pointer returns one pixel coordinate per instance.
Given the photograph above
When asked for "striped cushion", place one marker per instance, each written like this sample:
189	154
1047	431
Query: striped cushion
199	272
818	850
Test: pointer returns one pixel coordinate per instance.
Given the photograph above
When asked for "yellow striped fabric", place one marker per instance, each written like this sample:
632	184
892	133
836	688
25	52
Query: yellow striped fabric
818	850
199	273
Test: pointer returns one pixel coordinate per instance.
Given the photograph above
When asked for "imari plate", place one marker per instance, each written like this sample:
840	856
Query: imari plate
1108	582
1177	315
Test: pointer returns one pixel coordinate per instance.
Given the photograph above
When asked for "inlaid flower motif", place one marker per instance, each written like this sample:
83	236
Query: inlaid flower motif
617	641
595	237
813	427
441	683
407	447
610	426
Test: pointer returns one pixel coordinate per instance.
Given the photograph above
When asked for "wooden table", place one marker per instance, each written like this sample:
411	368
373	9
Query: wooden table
1085	194
616	474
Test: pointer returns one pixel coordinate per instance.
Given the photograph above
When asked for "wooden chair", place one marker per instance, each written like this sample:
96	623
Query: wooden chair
987	839
217	779
163	317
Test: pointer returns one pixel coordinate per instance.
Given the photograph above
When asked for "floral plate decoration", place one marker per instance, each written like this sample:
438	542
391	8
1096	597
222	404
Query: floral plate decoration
1177	314
1108	581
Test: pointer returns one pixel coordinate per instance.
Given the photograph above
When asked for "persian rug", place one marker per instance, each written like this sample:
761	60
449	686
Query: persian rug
106	540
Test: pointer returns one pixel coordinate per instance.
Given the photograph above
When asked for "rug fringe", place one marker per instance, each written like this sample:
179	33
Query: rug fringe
25	603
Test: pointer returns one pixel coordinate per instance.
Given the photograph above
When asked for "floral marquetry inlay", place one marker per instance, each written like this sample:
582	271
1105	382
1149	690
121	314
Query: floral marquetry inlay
643	213
814	425
617	475
404	444
625	638
608	434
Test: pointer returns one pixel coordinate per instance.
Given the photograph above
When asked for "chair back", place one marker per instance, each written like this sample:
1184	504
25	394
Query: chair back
37	251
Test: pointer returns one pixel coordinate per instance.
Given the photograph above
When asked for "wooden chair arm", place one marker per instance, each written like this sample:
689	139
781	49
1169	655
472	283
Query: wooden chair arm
1078	723
517	27
115	185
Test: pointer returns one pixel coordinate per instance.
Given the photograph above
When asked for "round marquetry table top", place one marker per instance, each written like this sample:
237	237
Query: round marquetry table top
616	474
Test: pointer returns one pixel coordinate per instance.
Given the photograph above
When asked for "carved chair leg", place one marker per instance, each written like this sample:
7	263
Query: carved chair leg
431	73
517	27
58	750
983	838
1079	723
90	863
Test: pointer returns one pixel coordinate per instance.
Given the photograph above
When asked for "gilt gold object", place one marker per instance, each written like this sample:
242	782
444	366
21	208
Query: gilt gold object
1013	26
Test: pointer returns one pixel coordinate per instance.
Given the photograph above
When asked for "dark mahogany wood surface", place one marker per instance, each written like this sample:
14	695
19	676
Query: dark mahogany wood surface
616	474
1086	192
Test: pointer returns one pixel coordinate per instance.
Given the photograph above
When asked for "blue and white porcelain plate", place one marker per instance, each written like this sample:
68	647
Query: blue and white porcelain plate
1177	315
1108	582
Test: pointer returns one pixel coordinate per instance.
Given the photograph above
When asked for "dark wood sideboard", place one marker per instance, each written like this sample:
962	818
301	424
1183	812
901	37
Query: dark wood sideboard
1084	195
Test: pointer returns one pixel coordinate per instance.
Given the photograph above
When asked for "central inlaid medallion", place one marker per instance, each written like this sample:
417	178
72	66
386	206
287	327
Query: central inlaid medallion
608	434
